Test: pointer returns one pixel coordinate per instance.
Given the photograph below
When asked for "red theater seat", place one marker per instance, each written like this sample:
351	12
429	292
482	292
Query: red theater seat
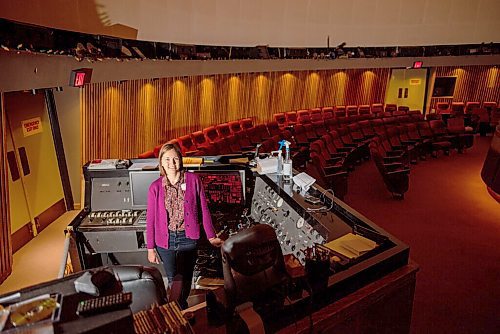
223	130
316	117
395	175
211	134
262	132
280	119
364	109
377	109
253	136
351	110
222	146
246	123
330	177
443	108
366	129
326	112
490	106
416	115
234	126
273	128
470	106
199	139
315	111
404	109
456	126
303	117
390	107
187	146
291	118
458	108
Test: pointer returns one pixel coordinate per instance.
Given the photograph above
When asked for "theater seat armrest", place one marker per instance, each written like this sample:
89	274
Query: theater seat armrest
334	160
338	174
391	159
332	169
399	171
345	149
393	166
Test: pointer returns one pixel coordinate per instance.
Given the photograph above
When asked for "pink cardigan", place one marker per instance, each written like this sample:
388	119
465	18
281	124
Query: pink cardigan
195	207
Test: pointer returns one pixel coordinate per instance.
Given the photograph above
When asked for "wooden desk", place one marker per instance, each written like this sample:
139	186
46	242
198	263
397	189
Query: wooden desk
119	322
384	306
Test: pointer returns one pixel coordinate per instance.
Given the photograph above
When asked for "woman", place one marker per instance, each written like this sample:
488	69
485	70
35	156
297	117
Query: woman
176	201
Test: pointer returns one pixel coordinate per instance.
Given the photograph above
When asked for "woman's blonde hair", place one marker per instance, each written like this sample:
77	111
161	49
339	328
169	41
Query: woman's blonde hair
165	148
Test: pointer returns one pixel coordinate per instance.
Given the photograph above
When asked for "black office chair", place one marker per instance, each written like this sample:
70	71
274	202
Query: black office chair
254	270
145	283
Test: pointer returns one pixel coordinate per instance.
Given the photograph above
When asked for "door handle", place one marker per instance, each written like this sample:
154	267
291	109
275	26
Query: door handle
14	170
24	160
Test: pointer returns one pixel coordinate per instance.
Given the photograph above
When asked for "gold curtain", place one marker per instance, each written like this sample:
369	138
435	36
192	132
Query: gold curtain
473	84
123	119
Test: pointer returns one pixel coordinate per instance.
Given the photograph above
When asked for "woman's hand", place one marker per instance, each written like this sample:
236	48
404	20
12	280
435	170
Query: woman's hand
153	257
216	242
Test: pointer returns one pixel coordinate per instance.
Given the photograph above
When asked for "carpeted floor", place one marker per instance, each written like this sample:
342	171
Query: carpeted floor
452	226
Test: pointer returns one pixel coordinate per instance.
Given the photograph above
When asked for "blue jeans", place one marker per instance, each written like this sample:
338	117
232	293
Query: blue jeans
179	260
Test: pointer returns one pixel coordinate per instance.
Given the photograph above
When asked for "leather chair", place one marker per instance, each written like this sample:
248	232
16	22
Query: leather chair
254	269
145	283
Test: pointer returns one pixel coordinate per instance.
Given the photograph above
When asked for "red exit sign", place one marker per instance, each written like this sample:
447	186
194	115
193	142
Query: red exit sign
80	77
418	64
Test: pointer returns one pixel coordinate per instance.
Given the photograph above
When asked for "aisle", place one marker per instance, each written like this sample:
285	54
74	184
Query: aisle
452	226
38	261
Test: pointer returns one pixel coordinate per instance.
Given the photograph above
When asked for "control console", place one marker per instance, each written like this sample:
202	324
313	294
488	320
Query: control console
294	231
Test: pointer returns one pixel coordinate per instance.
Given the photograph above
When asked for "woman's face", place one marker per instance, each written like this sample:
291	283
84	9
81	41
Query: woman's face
170	161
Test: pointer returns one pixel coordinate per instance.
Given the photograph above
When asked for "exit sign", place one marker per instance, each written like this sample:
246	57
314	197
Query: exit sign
80	77
418	64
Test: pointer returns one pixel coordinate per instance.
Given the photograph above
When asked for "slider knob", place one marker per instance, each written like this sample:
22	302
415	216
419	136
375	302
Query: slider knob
300	222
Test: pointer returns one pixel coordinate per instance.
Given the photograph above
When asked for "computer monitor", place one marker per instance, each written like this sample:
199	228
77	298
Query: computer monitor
223	187
139	187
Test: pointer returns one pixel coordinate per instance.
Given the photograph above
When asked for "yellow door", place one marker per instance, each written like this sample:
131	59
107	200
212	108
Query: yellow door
407	87
33	145
18	208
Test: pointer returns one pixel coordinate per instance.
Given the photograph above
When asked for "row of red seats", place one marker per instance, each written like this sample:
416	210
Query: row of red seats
354	112
393	144
462	108
228	138
237	136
